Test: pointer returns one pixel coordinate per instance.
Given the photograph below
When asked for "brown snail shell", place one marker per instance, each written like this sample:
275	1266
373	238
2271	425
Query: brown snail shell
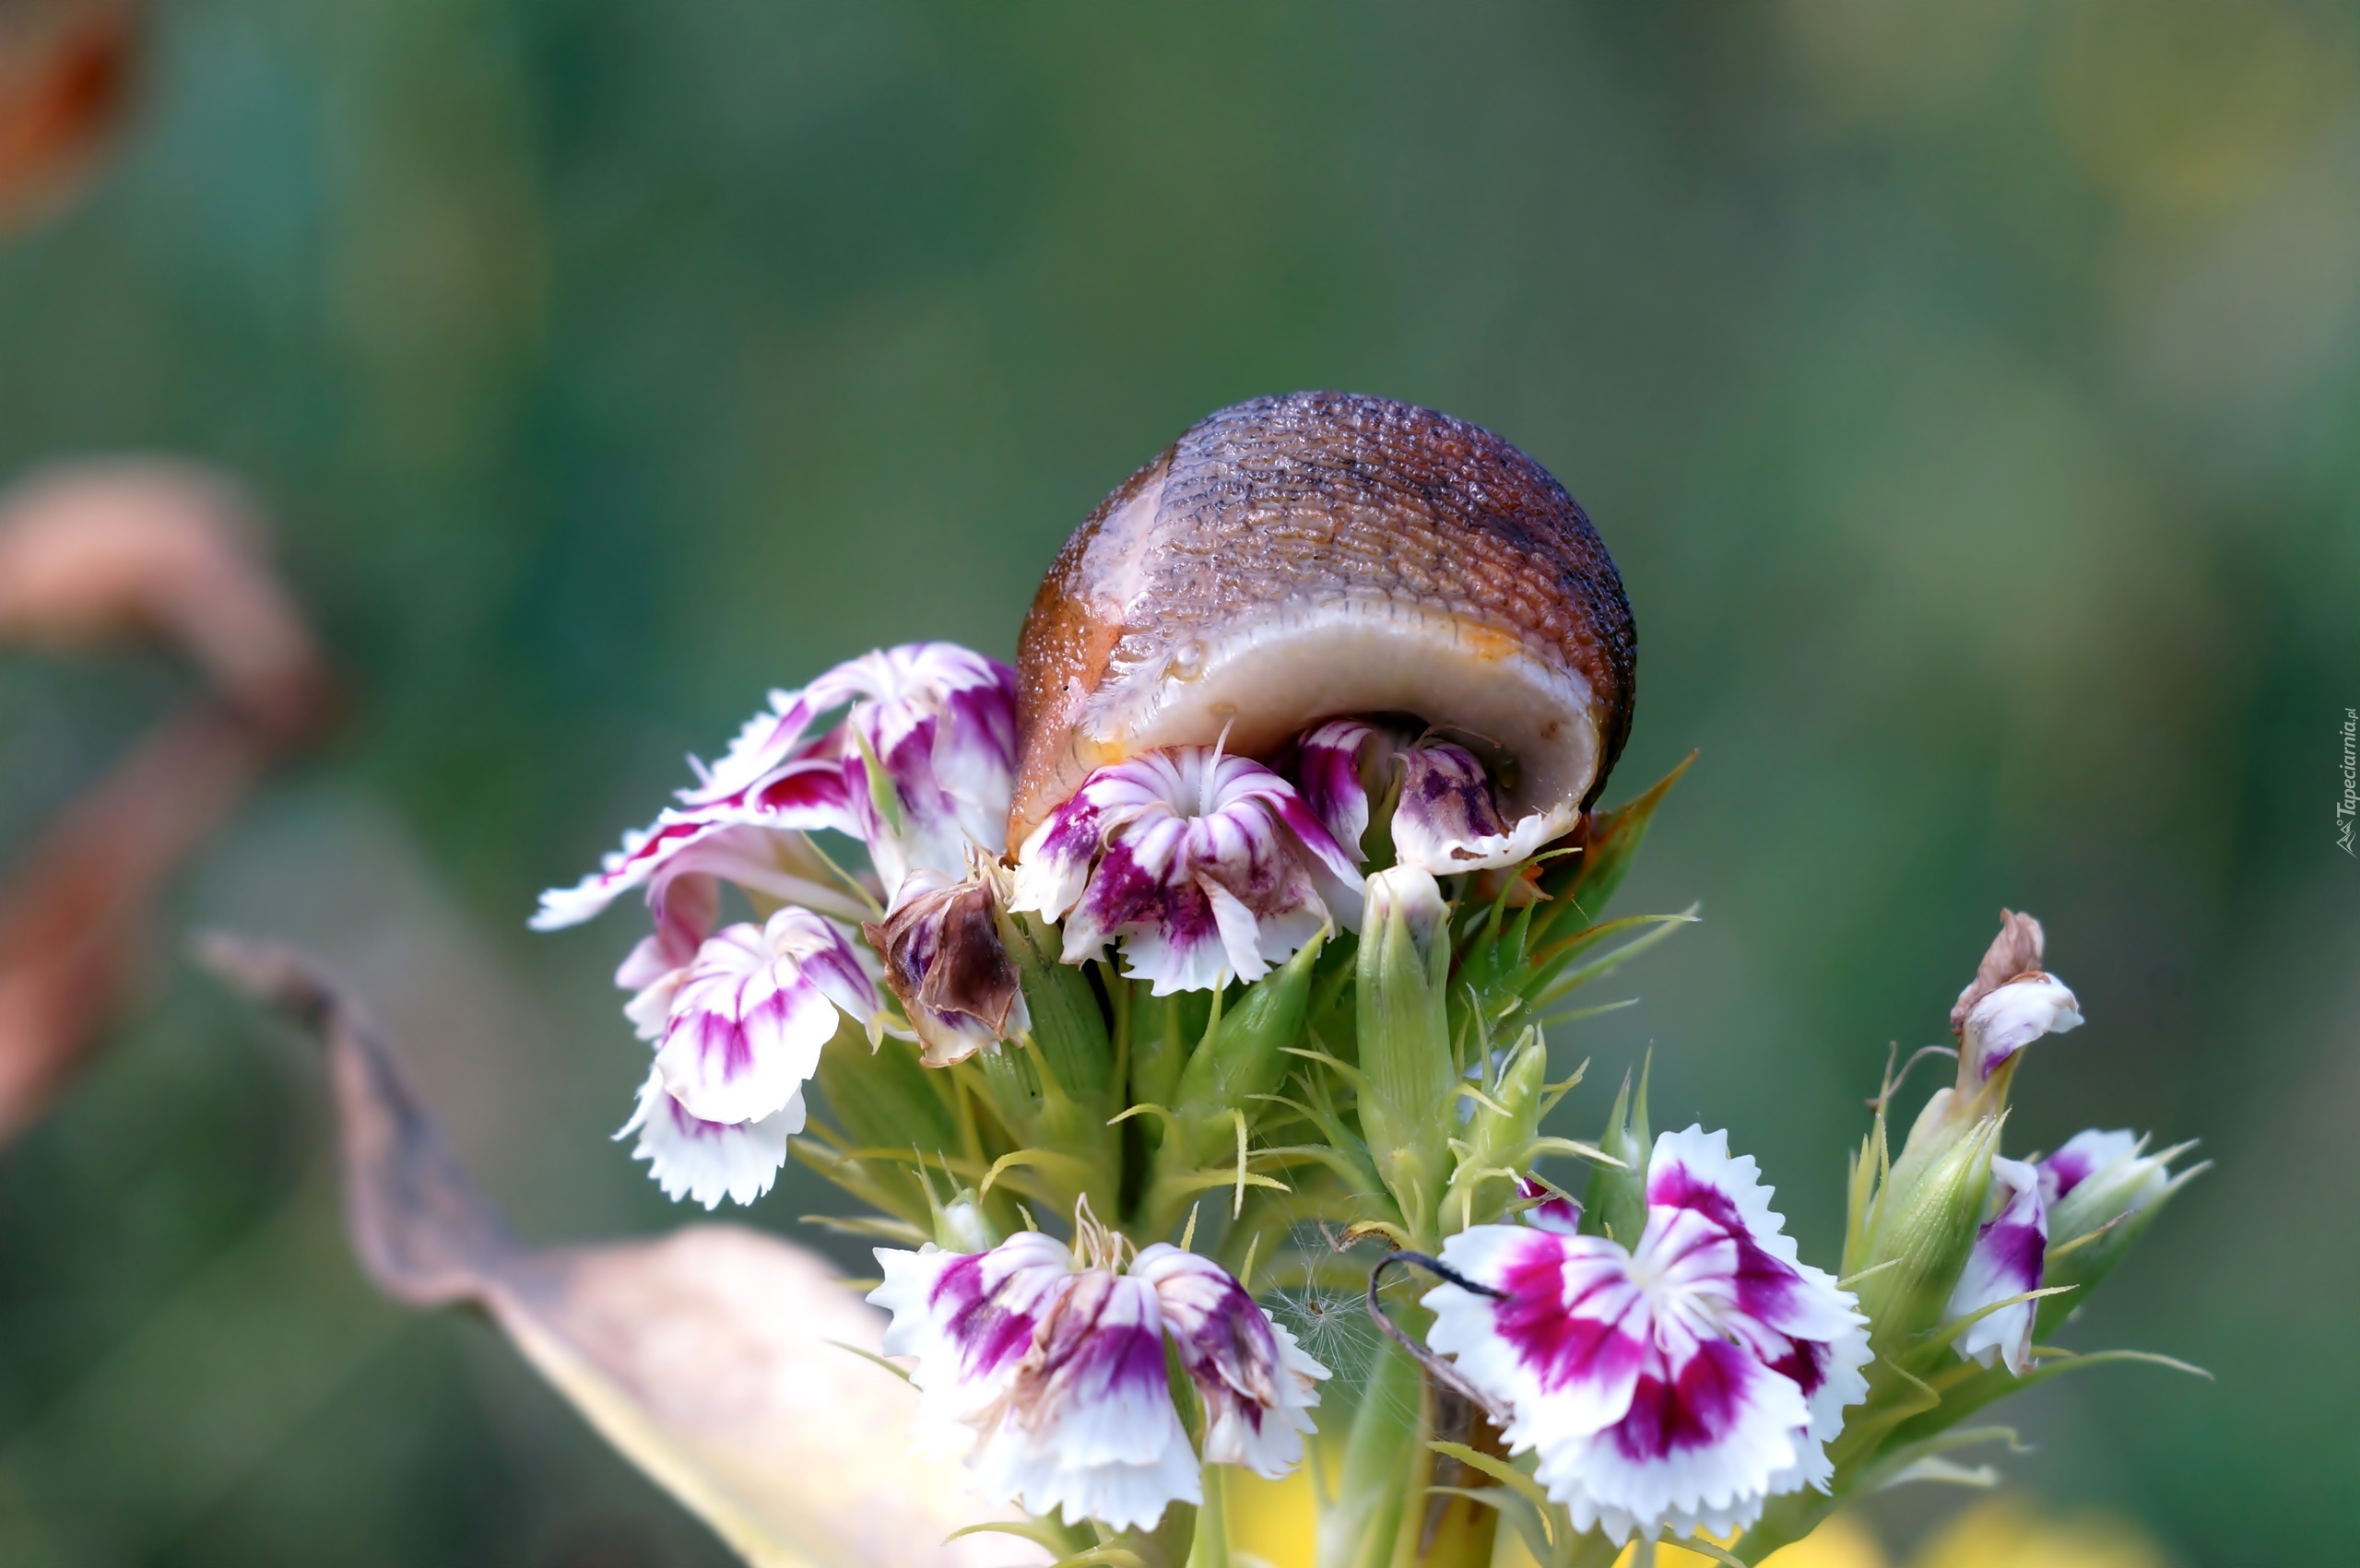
1297	557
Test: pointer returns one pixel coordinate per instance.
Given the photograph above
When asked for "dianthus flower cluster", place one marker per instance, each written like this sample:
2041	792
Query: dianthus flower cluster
1216	996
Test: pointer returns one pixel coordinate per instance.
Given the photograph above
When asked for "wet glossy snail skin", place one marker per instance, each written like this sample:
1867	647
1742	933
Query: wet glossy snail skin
1296	558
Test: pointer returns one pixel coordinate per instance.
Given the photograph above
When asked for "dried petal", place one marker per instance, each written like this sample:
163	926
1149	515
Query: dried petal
2014	953
946	962
99	552
711	1357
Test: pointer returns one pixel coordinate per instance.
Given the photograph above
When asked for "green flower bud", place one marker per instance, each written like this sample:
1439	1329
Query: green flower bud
1246	1054
961	1225
1616	1204
1498	1138
2103	1190
1404	969
1924	1222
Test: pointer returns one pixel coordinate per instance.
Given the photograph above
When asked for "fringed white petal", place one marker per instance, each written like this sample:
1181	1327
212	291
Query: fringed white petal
1257	1385
747	1017
1204	866
708	1161
1671	1387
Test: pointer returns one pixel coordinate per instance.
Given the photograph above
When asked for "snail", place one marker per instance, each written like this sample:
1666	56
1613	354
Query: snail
1297	557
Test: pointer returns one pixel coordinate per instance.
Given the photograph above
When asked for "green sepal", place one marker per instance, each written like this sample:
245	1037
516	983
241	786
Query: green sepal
1068	1025
1164	1030
1244	1056
1615	1205
883	1097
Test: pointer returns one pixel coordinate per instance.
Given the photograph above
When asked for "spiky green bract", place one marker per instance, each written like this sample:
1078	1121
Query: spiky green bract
2092	1228
1609	843
1244	1056
1616	1204
1405	1051
1517	964
1499	1143
887	1108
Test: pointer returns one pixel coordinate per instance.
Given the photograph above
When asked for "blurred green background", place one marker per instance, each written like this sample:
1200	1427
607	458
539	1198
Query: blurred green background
1968	391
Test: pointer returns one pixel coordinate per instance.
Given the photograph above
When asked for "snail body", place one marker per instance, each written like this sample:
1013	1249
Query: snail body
1296	558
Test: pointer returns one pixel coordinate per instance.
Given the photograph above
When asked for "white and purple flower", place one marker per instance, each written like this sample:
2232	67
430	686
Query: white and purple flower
1675	1384
920	770
1258	1385
1447	818
1205	866
2004	1266
739	1021
936	722
1047	1369
743	1021
706	1161
939	720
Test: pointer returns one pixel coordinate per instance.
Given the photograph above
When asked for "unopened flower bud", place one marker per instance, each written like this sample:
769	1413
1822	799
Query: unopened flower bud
1499	1136
1246	1057
2012	1017
1616	1205
1928	1215
960	1225
2011	1002
1405	1037
2102	1190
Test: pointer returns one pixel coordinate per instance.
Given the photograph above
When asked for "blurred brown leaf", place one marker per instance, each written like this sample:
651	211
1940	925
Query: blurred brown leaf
105	552
66	69
718	1358
98	553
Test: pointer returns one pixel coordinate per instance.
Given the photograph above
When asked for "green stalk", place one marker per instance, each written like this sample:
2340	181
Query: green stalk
1388	1431
1211	1548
